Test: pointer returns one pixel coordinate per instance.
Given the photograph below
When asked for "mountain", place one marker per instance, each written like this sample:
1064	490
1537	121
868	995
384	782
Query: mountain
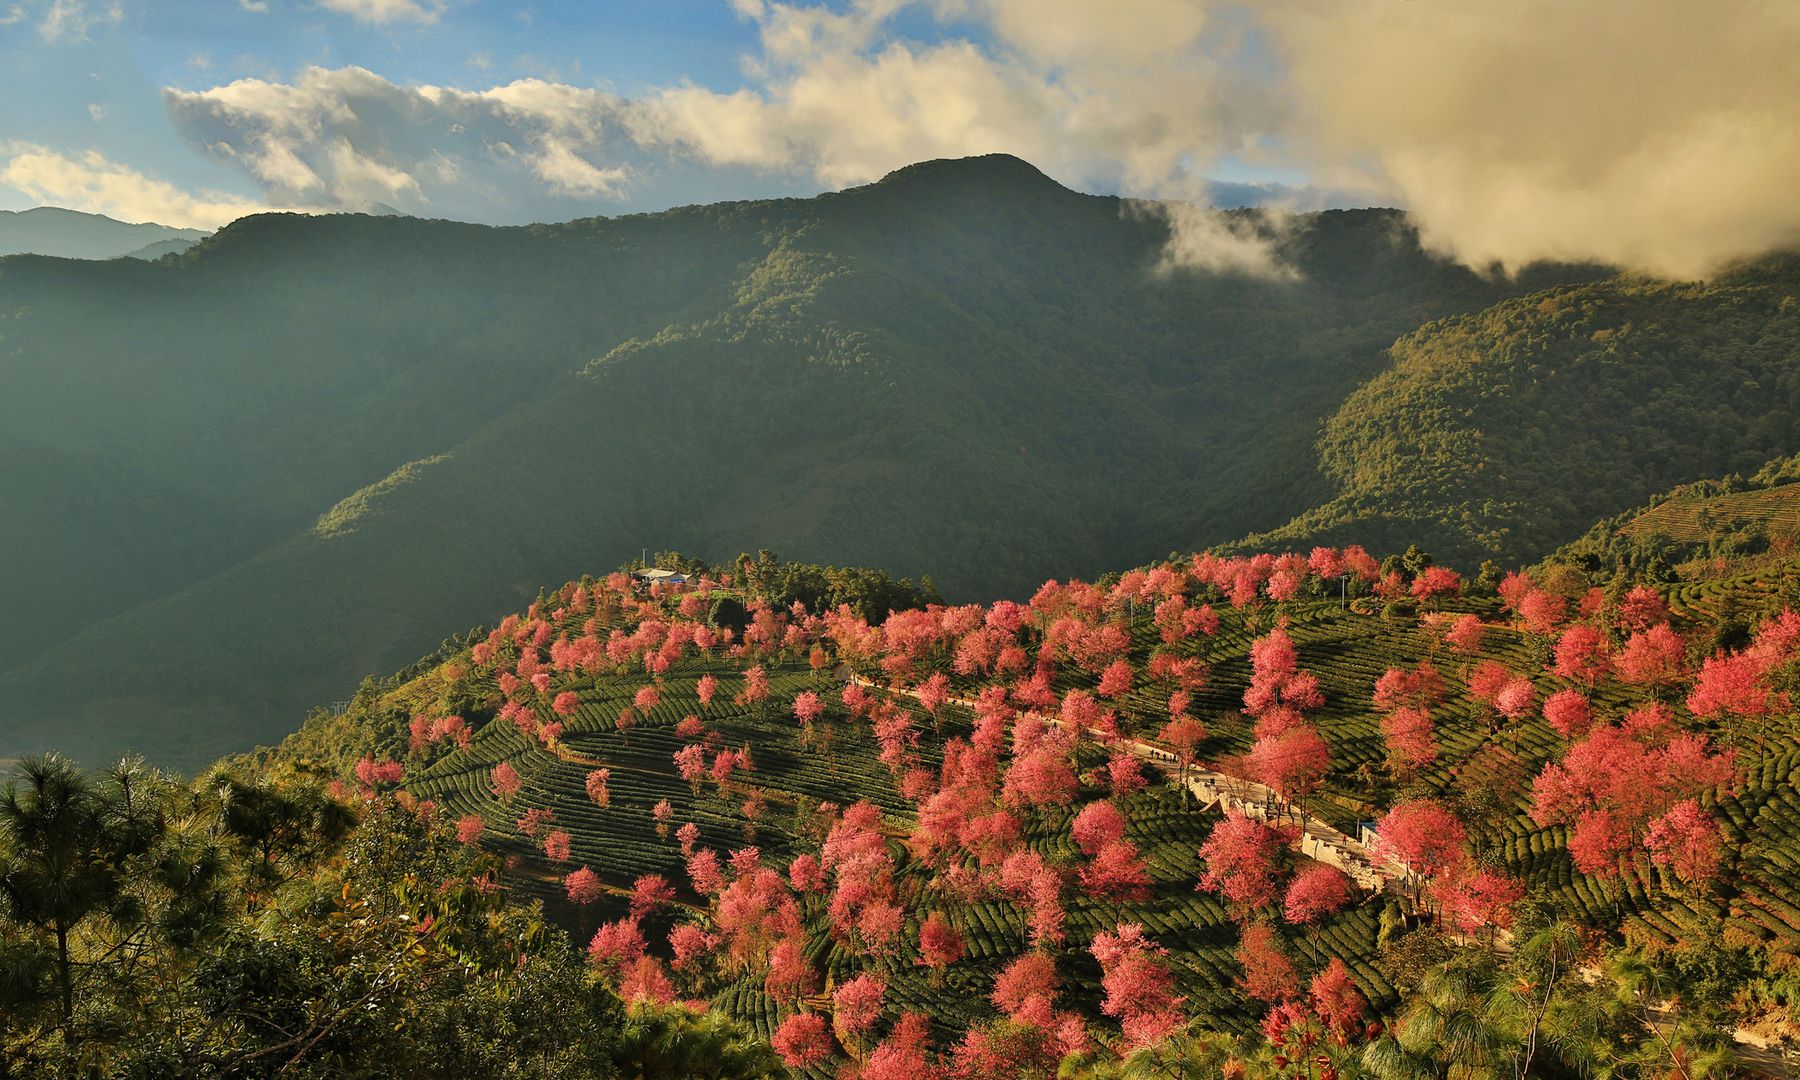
71	234
311	444
151	252
1504	433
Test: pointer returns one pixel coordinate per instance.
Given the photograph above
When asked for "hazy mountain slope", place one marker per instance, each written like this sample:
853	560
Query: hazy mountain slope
152	252
71	234
289	361
964	371
1507	432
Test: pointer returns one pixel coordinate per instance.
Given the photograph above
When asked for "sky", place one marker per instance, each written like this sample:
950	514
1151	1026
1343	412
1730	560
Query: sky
1659	135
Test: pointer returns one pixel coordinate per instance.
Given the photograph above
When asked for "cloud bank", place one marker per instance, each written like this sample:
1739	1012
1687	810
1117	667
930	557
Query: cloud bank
89	182
1658	135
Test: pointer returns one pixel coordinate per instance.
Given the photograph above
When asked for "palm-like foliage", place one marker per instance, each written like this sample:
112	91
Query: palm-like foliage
59	863
676	1042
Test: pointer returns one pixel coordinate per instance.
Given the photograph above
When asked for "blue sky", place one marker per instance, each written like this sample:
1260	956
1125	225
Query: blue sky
99	86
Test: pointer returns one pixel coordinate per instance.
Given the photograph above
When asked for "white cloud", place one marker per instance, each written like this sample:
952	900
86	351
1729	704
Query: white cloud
70	20
345	137
259	7
89	182
97	111
1664	137
387	11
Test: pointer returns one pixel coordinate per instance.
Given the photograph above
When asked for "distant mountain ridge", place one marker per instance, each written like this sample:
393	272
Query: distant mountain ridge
312	446
72	234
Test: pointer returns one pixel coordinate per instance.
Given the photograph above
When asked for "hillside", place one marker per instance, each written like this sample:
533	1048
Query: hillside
915	374
837	784
1506	433
71	234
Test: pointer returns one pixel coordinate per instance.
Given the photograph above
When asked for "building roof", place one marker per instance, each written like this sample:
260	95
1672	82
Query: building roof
658	574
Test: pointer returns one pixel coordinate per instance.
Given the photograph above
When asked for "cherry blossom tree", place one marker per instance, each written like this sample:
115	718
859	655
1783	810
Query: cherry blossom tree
505	781
1479	901
1569	712
857	1004
1464	634
940	944
1139	990
803	1040
1292	763
649	893
1244	858
1409	733
1098	824
1115	681
1025	990
583	887
597	790
1268	973
1687	841
1653	657
1582	655
1337	1000
1116	873
469	827
808	707
1316	891
1424	837
902	1055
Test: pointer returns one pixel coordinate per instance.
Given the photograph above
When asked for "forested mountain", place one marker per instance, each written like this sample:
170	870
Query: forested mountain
1505	432
310	446
71	234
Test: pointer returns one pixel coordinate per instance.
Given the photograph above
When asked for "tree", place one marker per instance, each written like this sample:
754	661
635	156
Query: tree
1569	713
1315	892
505	781
1115	681
1687	841
940	944
1464	634
790	976
597	787
1025	990
1139	990
1337	1000
802	1040
1116	873
1444	1032
1098	824
857	1004
1653	657
1410	743
60	863
1268	973
1423	836
902	1055
583	887
1243	858
1582	654
1292	763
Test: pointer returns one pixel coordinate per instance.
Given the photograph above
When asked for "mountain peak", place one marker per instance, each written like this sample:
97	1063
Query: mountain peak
987	171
